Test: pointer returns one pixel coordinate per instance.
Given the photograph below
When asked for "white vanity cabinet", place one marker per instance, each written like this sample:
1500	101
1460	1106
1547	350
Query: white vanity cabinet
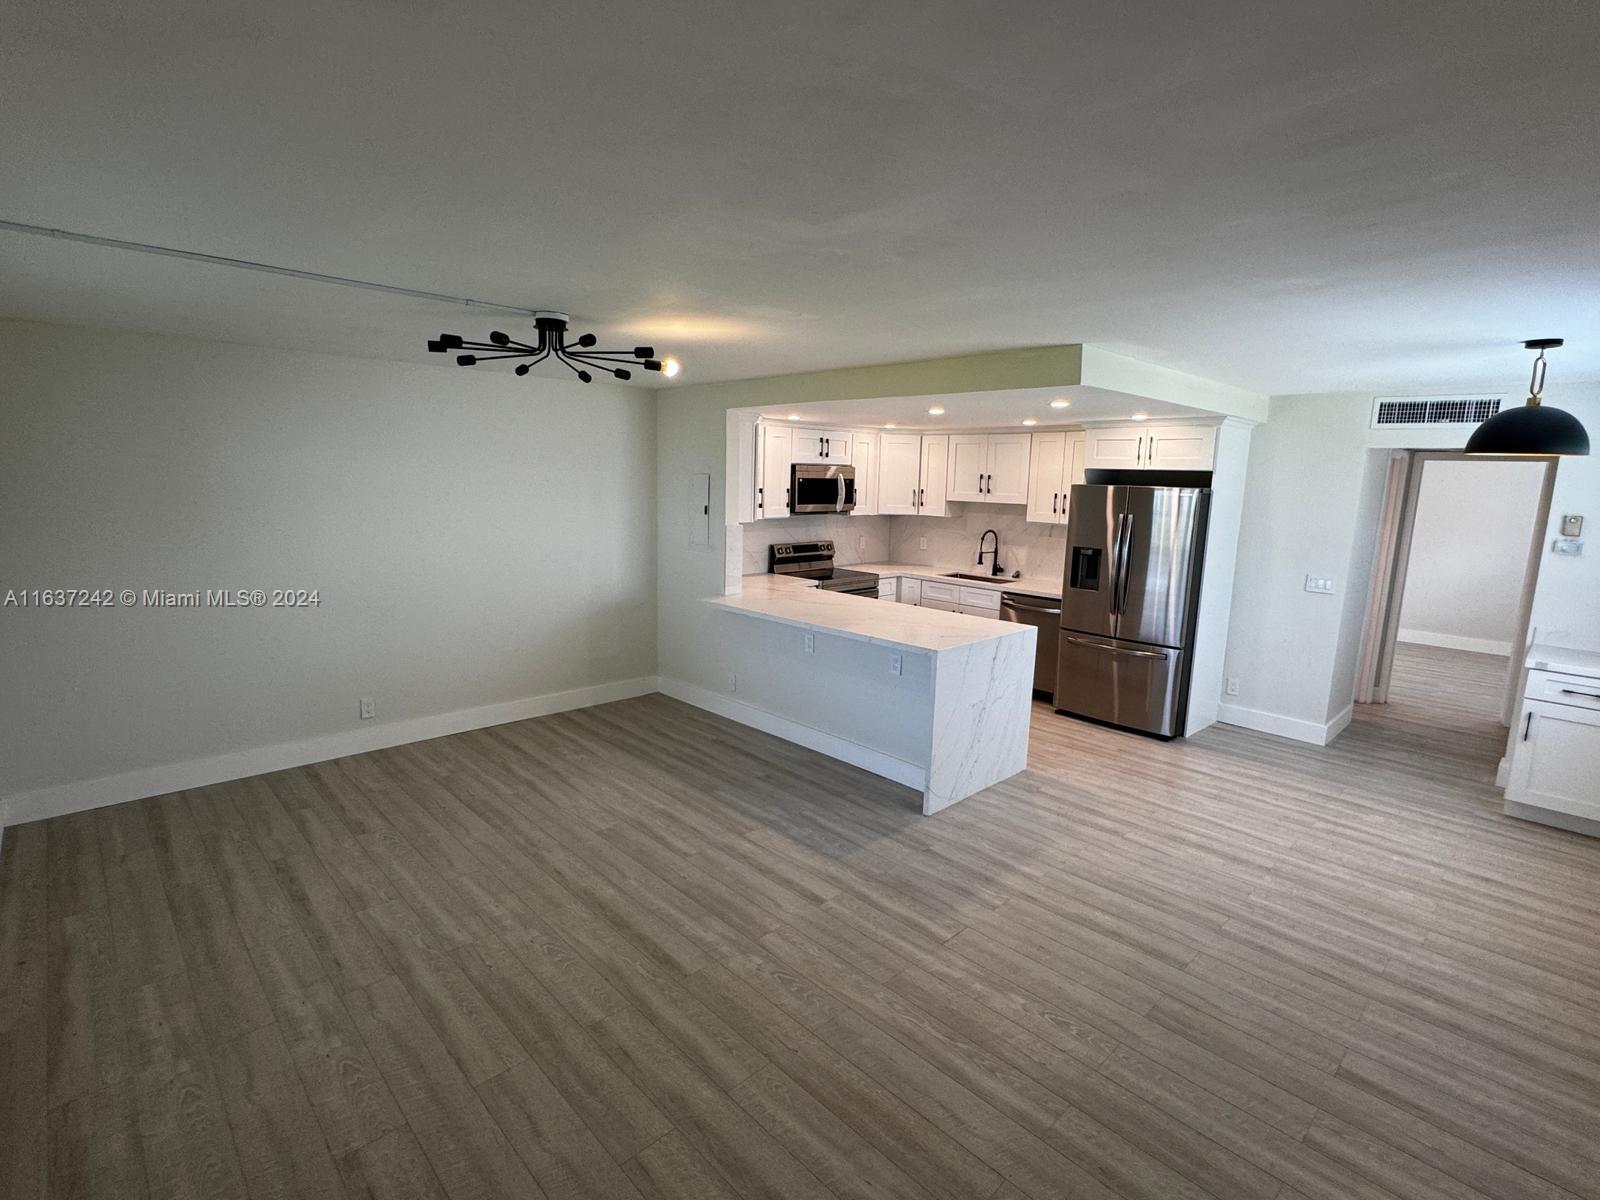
1055	463
988	468
1147	447
1555	762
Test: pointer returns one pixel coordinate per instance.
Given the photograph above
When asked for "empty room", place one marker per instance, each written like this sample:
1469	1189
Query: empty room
714	602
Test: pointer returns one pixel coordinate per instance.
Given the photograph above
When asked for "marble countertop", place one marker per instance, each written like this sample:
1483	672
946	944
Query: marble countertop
1031	585
904	626
1568	662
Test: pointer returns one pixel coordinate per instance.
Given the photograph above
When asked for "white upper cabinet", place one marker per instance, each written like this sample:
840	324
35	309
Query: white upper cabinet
864	458
969	463
1055	464
1181	447
772	471
988	468
1117	448
899	473
1151	447
821	445
1007	481
935	460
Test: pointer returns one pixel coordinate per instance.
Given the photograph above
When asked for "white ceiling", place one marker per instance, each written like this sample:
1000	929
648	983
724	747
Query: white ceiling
1000	409
1281	197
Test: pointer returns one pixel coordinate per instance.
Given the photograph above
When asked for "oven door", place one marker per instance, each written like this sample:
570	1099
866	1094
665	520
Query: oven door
815	488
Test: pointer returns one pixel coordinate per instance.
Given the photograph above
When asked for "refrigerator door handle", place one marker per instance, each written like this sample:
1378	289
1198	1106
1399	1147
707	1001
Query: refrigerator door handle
1126	579
1117	649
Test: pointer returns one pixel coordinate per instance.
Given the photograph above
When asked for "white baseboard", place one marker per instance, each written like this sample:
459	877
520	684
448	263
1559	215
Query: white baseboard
857	755
1318	733
202	772
1450	641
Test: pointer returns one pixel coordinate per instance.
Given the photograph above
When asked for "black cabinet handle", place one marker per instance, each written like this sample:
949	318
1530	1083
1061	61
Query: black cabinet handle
1055	498
1528	728
761	497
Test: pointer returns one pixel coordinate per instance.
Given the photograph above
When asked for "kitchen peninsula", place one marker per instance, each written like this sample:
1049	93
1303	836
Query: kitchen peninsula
937	700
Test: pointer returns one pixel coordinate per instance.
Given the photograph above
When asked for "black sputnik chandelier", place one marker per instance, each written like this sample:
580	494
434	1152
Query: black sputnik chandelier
552	342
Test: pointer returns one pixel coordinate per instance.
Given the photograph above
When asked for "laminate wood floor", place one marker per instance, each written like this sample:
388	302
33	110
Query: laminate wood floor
637	951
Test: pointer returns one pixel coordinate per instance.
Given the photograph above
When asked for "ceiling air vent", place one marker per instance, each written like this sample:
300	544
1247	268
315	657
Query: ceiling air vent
1391	412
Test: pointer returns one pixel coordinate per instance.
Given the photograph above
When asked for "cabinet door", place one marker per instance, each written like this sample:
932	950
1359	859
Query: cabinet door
1072	470
836	445
772	495
1181	447
864	457
910	590
1556	763
899	473
969	464
1046	470
808	445
935	457
1006	481
1119	448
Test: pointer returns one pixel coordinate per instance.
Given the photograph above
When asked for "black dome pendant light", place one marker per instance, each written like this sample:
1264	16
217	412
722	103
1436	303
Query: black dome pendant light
551	342
1531	429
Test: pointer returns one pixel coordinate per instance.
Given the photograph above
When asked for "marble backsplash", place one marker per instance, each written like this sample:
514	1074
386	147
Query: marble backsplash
846	532
1032	548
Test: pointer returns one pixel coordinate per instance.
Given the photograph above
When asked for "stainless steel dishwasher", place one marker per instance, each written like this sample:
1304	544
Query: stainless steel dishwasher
1044	615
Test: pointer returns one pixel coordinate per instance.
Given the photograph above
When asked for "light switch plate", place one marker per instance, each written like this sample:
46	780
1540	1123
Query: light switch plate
1568	547
811	643
1319	585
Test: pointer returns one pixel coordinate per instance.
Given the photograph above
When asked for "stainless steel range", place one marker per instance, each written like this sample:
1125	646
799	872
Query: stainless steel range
814	560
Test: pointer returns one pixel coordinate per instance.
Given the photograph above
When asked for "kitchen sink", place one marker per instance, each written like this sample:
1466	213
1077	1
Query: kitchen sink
979	578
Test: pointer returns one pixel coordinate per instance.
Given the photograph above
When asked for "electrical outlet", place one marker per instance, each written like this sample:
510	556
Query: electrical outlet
896	663
733	682
1233	686
1320	585
922	543
861	541
811	643
369	708
1568	547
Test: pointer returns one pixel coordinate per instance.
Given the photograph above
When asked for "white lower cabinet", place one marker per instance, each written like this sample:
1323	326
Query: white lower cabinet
978	602
910	591
946	596
888	587
1556	763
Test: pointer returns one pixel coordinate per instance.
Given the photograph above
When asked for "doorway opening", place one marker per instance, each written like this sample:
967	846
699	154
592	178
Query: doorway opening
1456	565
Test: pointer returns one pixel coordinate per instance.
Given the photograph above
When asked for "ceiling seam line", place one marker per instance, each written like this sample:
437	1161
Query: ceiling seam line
244	264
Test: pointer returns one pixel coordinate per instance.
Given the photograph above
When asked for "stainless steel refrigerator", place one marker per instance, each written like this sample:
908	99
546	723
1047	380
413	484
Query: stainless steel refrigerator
1128	604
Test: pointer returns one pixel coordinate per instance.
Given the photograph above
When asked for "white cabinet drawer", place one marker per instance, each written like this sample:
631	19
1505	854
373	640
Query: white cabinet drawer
1563	689
940	591
980	598
943	605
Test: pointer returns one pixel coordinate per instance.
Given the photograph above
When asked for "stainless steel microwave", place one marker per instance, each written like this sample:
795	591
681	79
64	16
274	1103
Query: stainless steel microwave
821	488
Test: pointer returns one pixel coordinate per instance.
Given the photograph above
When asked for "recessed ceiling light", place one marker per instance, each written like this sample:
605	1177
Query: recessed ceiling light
794	416
1029	421
670	367
936	411
1059	402
888	425
1141	416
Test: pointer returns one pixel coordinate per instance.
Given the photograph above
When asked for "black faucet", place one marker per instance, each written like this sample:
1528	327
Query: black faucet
994	556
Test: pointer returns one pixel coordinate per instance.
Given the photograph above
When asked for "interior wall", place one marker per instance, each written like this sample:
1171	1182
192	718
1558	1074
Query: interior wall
1316	485
1469	554
473	539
